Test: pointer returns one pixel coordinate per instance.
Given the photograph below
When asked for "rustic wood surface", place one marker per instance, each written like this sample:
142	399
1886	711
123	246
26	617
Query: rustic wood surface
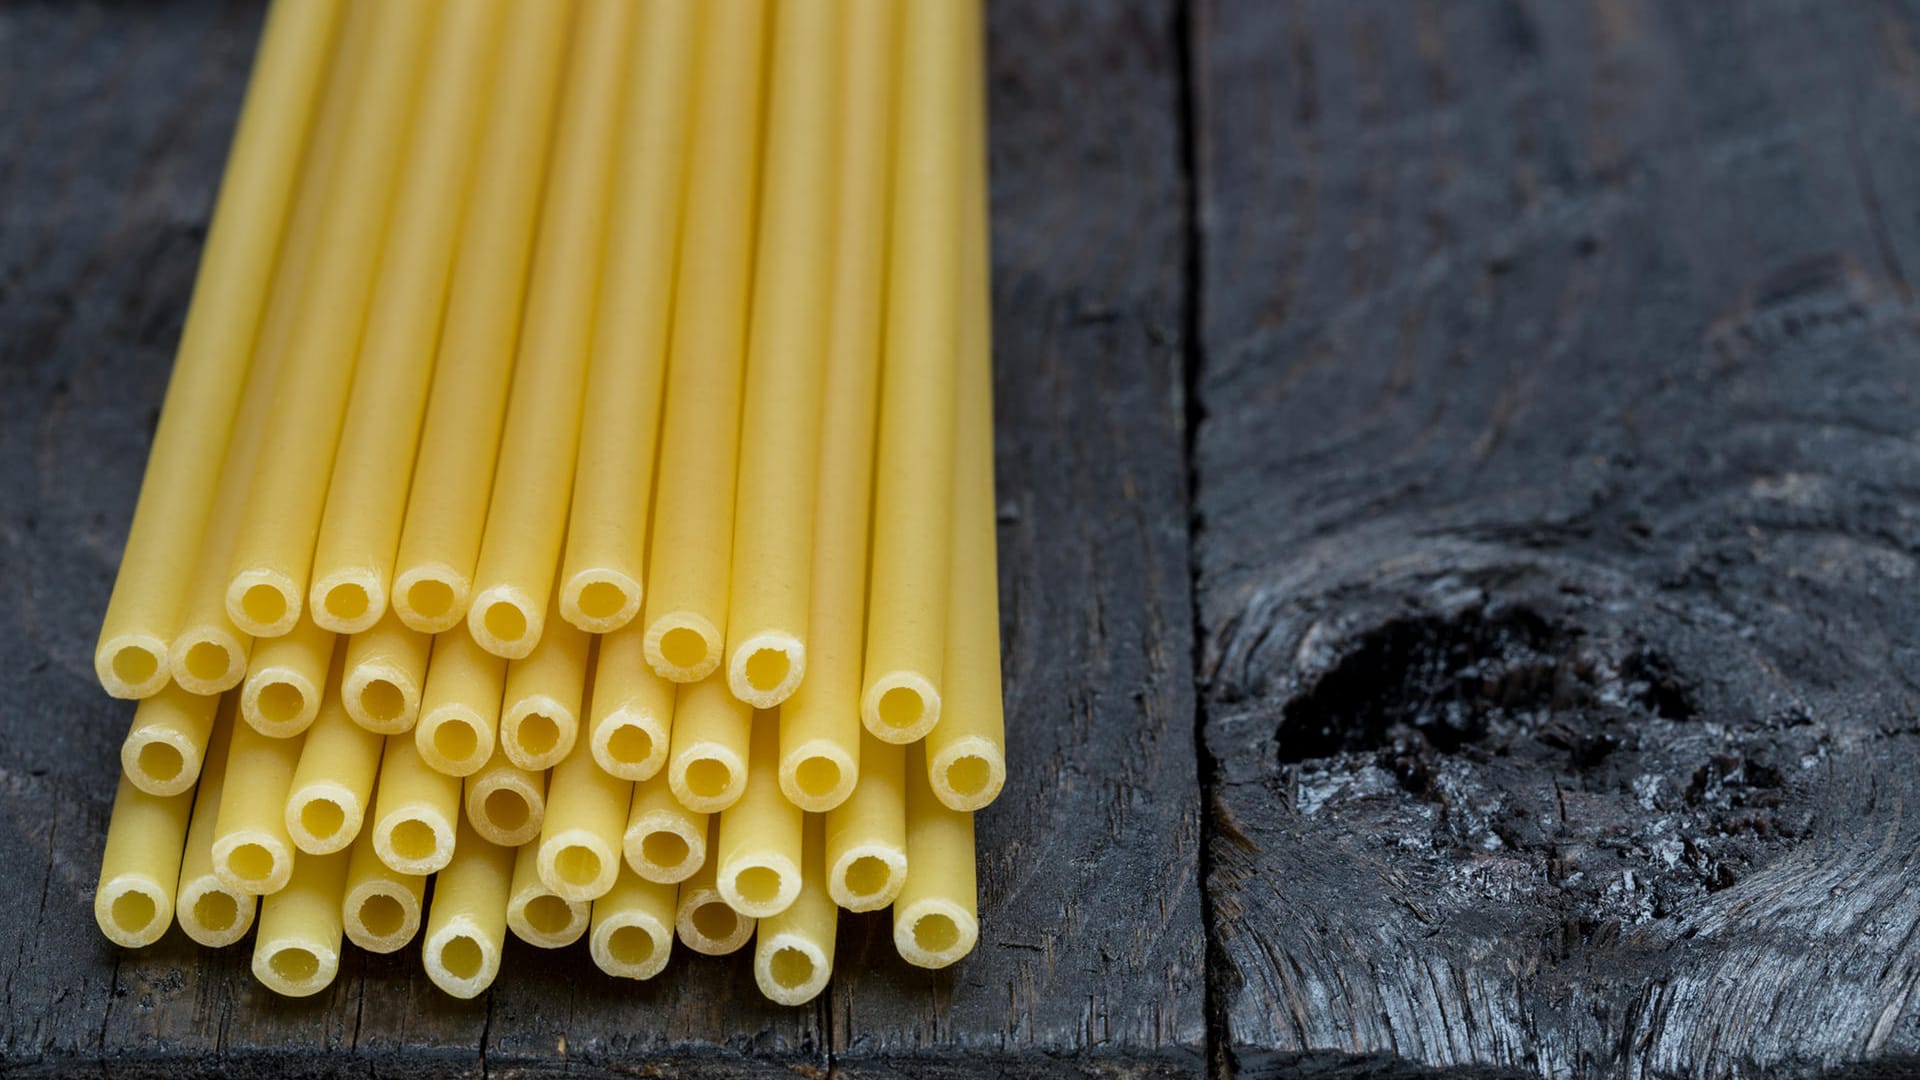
1459	512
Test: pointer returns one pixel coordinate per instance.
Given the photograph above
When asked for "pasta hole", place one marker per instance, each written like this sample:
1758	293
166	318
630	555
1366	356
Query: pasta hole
767	669
381	915
630	945
549	914
281	703
322	818
414	840
665	849
867	876
294	964
683	647
901	707
507	809
134	664
538	734
207	661
347	601
430	599
708	778
969	775
455	740
935	933
630	744
264	604
602	600
577	866
817	776
461	957
251	862
791	968
506	621
758	884
161	761
133	911
715	921
382	700
216	911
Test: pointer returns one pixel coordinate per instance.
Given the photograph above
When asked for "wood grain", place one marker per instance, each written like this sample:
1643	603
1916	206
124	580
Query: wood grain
1558	509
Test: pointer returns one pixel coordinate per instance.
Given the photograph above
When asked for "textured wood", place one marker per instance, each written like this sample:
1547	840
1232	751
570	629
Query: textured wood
1558	510
116	118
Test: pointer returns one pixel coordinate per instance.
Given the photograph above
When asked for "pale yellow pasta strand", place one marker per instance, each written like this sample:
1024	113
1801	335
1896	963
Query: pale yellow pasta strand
707	765
140	869
386	673
664	841
632	708
701	915
211	913
252	851
632	934
415	811
936	917
866	836
381	907
168	740
285	679
545	693
467	924
759	852
505	803
793	951
333	783
460	710
296	951
580	839
536	914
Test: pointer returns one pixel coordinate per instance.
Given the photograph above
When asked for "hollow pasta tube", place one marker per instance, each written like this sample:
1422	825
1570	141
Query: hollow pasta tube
581	836
467	924
381	907
460	711
701	915
285	679
167	742
759	852
866	836
415	811
536	914
140	869
252	852
664	841
707	765
632	935
296	950
793	951
505	803
936	917
211	913
632	708
386	676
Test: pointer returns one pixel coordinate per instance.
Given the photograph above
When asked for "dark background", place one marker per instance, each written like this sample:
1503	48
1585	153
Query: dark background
1459	510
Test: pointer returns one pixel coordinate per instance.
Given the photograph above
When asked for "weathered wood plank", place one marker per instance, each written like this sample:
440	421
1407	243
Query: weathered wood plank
1559	508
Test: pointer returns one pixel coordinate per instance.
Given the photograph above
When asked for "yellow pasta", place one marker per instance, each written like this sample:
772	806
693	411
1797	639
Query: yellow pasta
707	766
786	345
793	951
415	811
216	347
966	751
140	870
633	927
366	494
460	438
913	481
536	914
820	724
467	924
759	852
664	841
936	916
701	915
163	749
210	912
632	708
333	783
580	838
296	951
460	711
600	579
692	530
273	551
252	852
381	907
505	803
866	836
386	670
540	715
527	518
285	678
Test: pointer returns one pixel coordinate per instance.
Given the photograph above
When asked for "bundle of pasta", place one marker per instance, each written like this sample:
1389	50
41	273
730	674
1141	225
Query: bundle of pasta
598	397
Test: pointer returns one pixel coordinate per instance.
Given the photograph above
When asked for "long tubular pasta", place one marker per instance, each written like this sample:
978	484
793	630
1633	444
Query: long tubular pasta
467	924
867	834
820	724
285	679
692	536
600	580
140	869
580	838
252	852
209	653
936	917
460	711
664	841
633	927
527	518
296	952
701	915
793	951
540	715
460	440
381	907
367	493
632	713
168	740
786	343
216	347
967	750
759	850
210	912
707	766
273	551
415	811
333	783
505	803
913	483
536	914
386	670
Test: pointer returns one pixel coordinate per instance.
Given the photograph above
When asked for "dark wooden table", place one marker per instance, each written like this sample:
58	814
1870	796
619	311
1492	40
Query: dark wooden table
1460	529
